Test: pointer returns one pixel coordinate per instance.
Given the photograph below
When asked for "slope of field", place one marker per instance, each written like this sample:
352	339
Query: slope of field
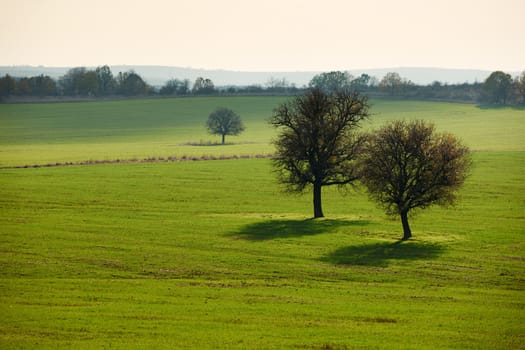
207	255
59	132
65	132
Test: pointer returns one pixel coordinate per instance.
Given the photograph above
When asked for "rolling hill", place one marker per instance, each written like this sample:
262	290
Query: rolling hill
158	75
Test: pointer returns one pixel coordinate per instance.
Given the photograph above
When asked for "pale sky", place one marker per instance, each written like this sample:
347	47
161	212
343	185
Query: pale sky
265	35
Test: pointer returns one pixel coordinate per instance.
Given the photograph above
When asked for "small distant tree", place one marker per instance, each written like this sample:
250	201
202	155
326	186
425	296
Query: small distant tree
7	85
407	165
42	85
131	84
317	145
68	82
88	83
391	83
406	86
361	83
175	87
106	81
203	86
497	88
332	82
79	81
224	121
277	85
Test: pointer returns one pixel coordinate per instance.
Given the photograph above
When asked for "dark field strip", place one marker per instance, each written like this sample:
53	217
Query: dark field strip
143	160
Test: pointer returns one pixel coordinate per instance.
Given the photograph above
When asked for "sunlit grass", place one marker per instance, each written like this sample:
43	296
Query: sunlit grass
207	255
71	132
213	255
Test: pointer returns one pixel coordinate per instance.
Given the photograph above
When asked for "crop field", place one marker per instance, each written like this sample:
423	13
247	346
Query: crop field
213	254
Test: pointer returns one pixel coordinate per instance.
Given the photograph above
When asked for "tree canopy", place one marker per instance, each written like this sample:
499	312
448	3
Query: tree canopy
203	86
130	83
317	144
408	165
80	81
331	82
224	121
497	88
391	82
106	81
175	87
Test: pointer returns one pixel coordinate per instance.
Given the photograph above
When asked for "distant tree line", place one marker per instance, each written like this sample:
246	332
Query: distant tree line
499	88
77	81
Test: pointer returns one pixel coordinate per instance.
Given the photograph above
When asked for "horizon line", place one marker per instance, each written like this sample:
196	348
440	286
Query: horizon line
393	68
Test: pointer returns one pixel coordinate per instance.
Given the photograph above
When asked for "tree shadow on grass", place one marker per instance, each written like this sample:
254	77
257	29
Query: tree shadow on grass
216	143
380	254
273	229
207	144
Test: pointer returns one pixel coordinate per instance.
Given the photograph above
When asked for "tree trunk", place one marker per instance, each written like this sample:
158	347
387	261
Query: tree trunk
406	227
318	208
223	138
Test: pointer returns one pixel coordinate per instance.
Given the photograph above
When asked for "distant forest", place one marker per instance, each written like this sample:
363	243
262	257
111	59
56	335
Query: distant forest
499	88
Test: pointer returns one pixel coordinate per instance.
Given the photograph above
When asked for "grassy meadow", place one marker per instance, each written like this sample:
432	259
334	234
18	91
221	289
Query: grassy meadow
71	132
213	255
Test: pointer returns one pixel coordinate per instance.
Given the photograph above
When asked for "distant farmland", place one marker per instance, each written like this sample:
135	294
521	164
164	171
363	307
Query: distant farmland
137	129
207	255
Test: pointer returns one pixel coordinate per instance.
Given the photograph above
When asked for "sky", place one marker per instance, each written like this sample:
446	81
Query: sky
265	35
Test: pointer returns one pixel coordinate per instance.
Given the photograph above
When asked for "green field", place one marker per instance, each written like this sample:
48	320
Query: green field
70	132
63	132
212	254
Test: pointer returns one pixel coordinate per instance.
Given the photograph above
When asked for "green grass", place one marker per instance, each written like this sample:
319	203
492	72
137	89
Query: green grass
70	132
63	132
482	129
214	255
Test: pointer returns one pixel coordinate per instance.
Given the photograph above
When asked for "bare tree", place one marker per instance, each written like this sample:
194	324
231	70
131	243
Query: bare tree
407	165
391	82
224	121
317	144
331	82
